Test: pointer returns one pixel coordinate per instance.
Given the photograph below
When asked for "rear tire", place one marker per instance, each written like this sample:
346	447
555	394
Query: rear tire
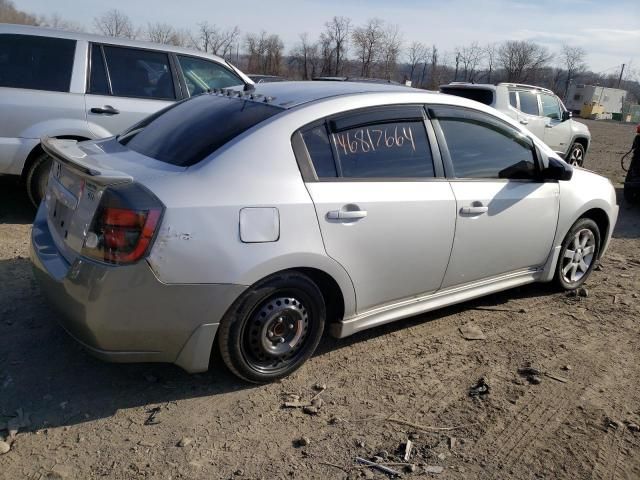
37	178
273	328
576	155
578	255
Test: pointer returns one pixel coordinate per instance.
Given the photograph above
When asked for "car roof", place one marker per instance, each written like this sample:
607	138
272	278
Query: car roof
90	37
483	86
292	94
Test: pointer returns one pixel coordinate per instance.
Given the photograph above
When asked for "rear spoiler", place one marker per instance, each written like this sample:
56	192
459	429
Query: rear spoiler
68	153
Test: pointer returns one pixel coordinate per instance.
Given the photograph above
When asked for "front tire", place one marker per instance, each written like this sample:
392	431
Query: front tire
273	328
578	255
576	155
37	178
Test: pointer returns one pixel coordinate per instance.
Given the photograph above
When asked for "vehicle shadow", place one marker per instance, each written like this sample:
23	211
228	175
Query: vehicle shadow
15	206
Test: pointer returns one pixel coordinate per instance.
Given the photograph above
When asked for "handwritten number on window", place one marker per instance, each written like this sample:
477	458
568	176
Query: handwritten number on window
366	140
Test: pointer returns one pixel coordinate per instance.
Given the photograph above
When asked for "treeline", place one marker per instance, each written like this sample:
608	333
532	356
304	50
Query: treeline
375	49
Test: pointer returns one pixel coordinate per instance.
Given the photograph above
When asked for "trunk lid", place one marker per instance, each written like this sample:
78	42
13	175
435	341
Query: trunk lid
80	174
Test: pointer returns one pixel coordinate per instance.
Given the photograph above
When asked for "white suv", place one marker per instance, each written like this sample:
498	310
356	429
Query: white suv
78	86
539	109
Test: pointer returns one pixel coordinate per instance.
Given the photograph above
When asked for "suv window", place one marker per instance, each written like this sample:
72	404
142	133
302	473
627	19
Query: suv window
481	146
187	132
529	103
513	99
550	106
34	62
139	73
482	95
202	75
98	83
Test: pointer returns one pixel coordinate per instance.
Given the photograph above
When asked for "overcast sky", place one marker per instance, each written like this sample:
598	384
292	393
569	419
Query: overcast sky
609	30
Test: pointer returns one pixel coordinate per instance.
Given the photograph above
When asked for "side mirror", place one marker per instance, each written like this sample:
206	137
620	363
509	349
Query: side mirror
566	115
557	170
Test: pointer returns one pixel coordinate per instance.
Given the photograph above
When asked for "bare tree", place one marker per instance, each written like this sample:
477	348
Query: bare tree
573	60
417	54
265	53
470	57
435	74
458	54
522	59
336	39
216	40
392	45
115	23
10	14
490	54
367	41
305	56
56	21
161	33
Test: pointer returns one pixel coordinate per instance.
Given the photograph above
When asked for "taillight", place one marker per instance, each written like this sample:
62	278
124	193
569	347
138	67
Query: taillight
124	225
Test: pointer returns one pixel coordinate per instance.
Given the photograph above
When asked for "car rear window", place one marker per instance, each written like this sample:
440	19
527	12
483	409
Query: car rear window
481	95
37	63
187	132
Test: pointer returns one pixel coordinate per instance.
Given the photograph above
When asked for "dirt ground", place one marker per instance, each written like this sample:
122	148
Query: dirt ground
80	418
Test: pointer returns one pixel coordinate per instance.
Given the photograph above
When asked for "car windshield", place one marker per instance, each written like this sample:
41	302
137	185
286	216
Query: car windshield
189	131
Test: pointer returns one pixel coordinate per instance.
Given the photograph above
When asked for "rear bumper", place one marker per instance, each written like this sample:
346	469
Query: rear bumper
124	313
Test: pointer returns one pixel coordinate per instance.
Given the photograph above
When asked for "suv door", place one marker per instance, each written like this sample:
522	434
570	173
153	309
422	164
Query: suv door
201	75
386	213
506	216
529	112
126	85
557	132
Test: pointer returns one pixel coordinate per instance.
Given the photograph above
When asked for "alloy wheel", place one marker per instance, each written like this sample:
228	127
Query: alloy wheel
578	256
576	157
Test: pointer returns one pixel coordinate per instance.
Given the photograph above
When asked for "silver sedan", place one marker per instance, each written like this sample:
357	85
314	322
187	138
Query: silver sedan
252	221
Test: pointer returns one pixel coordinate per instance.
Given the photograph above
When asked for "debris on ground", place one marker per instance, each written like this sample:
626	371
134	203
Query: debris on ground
185	441
632	426
407	450
303	441
532	374
480	388
472	332
4	448
583	292
153	413
436	469
377	466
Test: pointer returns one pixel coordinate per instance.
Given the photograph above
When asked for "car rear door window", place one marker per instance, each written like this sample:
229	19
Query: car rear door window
513	99
529	103
35	62
318	146
203	75
139	73
482	95
550	106
481	146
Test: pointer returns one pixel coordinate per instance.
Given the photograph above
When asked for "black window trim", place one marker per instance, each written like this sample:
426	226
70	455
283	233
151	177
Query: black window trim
307	169
446	156
183	82
176	90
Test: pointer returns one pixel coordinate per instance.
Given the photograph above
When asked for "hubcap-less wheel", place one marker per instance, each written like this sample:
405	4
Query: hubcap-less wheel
273	337
577	156
578	256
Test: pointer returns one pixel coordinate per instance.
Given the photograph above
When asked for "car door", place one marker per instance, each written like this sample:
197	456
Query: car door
386	213
125	86
529	113
557	132
506	216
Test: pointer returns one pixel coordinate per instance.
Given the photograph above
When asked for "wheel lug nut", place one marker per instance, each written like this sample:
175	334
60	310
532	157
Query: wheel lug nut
270	334
280	320
281	340
291	326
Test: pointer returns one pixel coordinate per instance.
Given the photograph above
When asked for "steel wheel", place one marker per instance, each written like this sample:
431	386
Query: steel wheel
275	334
576	157
273	328
579	256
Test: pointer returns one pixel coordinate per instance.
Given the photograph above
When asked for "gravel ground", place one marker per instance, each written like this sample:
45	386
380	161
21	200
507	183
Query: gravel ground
77	417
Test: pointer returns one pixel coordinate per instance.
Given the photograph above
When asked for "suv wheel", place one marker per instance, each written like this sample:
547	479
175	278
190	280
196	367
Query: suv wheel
578	255
273	328
576	155
37	178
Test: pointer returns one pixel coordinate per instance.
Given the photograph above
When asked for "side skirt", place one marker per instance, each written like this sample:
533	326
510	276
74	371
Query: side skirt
416	305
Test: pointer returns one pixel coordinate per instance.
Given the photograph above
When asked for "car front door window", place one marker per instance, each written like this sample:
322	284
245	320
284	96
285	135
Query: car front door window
550	107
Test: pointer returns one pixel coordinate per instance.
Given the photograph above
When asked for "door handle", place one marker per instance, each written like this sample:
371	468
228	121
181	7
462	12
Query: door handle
106	110
346	214
524	122
479	210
